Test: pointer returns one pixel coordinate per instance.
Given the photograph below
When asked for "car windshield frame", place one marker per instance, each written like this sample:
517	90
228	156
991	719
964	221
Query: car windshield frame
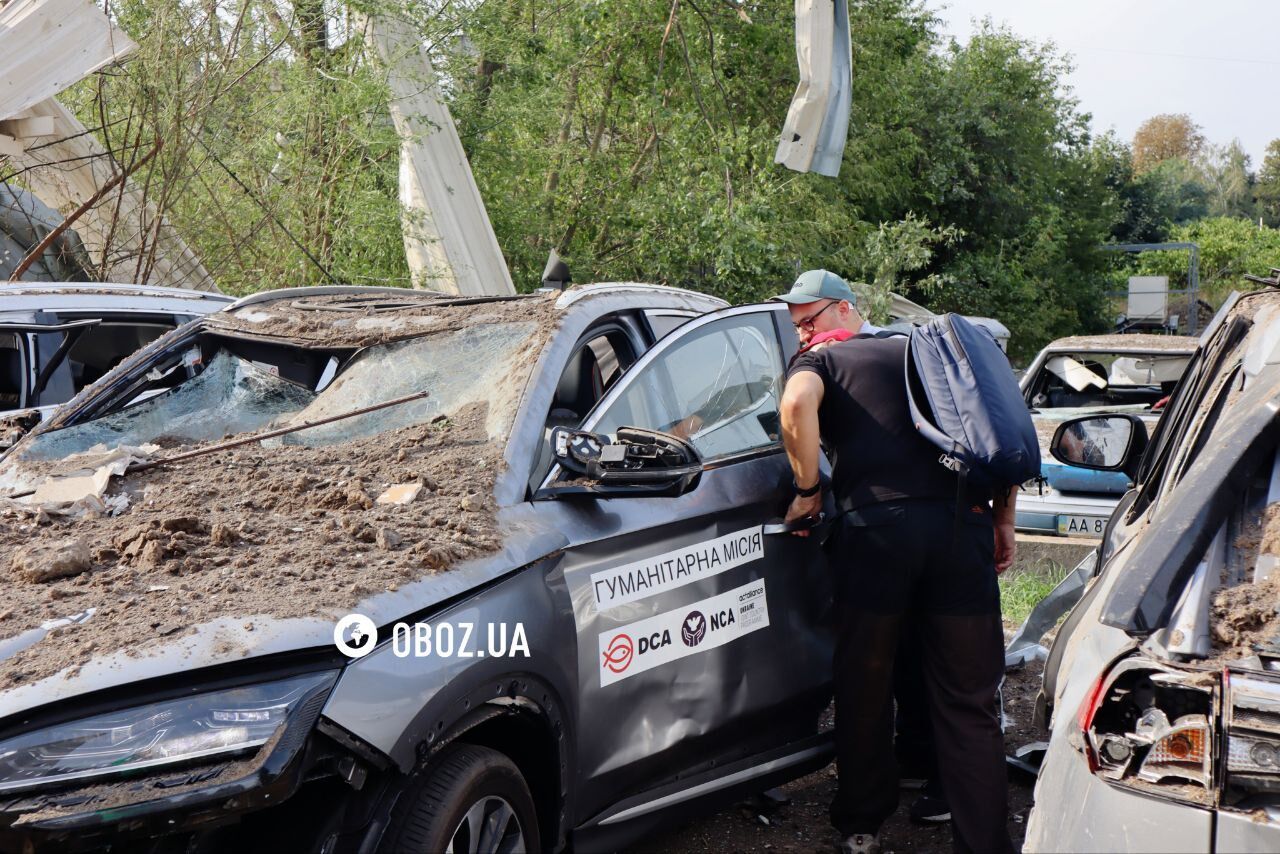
510	337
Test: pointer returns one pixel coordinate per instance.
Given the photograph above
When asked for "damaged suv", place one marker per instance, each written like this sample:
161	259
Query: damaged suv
1162	689
346	569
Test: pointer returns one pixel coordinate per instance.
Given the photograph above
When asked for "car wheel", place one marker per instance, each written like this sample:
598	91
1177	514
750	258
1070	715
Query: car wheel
470	800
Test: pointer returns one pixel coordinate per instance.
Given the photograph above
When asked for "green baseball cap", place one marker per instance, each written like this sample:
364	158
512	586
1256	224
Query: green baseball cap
814	285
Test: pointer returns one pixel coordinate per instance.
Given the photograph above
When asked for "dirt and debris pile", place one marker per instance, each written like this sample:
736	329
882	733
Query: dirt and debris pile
290	530
1248	614
1128	341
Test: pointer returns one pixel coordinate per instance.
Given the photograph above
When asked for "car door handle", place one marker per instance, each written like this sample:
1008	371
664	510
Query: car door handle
804	523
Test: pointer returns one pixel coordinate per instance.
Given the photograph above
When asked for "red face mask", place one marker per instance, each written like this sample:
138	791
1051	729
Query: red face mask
824	337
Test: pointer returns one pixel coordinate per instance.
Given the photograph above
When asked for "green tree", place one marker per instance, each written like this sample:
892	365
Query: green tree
1011	165
635	137
893	249
1267	189
1228	181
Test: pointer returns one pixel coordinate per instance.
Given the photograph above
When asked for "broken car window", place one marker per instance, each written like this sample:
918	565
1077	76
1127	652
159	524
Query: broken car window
234	395
231	395
458	368
1089	380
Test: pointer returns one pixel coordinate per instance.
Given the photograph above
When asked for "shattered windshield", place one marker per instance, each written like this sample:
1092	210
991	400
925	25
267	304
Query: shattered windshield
456	368
1106	380
234	395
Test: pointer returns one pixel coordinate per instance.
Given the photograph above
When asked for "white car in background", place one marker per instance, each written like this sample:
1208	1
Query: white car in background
58	338
1092	375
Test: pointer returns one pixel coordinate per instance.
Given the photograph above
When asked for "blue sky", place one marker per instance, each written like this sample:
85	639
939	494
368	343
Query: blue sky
1137	58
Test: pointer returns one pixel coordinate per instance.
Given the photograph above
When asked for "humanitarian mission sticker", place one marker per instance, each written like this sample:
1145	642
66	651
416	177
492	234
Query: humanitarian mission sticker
651	576
695	628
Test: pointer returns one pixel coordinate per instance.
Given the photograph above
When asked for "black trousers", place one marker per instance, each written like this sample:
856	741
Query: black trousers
910	567
913	731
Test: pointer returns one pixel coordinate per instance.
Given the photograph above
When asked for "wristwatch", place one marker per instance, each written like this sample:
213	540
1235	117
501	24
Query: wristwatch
810	492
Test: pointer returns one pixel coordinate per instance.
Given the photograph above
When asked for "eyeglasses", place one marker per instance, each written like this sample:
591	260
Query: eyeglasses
806	325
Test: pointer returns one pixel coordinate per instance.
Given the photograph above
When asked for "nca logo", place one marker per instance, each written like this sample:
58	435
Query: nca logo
618	654
693	629
722	620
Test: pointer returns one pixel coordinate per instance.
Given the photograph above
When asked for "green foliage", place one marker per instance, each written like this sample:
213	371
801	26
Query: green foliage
1228	182
1268	185
279	162
1229	248
891	250
636	137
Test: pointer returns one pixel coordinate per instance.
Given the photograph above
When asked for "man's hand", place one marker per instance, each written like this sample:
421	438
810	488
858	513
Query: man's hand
1006	546
802	507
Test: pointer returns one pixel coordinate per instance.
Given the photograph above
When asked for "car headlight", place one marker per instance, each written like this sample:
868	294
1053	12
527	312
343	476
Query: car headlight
216	723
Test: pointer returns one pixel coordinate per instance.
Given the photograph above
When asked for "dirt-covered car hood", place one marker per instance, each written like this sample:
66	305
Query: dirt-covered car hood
247	635
258	549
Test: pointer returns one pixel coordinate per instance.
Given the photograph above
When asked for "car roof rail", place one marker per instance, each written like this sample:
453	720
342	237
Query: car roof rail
334	290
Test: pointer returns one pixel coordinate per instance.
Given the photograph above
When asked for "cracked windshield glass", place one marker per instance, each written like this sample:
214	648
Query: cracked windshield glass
233	395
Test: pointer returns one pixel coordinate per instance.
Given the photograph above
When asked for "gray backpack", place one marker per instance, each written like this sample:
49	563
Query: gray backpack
964	399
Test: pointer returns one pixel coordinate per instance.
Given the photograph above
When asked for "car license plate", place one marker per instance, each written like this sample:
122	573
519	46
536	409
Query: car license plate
1081	526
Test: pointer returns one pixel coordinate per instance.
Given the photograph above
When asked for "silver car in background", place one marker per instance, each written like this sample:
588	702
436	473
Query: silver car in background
1086	375
57	338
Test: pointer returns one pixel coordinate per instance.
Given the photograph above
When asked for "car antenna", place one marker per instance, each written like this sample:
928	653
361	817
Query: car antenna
556	275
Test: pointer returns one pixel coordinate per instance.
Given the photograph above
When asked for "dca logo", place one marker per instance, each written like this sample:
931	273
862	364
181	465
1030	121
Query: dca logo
618	654
355	635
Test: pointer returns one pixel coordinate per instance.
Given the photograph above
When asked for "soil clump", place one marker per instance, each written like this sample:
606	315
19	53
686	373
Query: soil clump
1246	615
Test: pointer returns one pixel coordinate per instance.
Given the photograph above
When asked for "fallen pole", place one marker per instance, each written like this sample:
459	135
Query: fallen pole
258	437
271	434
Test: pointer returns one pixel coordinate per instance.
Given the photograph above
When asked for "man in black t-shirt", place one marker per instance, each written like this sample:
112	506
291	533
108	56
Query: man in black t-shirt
902	563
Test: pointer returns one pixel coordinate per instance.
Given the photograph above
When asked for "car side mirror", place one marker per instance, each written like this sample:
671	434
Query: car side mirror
634	462
1101	443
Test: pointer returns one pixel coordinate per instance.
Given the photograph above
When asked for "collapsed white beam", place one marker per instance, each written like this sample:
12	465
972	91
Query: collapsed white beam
817	125
448	239
122	232
48	45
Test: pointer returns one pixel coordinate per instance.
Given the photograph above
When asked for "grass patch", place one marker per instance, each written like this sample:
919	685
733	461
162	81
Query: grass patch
1022	588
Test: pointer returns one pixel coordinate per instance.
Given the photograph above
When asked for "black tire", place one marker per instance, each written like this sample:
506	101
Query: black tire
465	789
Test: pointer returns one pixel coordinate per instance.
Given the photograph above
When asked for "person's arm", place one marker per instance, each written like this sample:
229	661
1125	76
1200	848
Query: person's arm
1004	512
800	401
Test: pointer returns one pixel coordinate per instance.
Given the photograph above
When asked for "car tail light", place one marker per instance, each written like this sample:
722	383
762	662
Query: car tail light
1150	727
1252	724
1084	718
1183	752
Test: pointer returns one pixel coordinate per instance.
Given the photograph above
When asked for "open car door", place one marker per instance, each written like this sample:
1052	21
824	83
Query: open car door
702	646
